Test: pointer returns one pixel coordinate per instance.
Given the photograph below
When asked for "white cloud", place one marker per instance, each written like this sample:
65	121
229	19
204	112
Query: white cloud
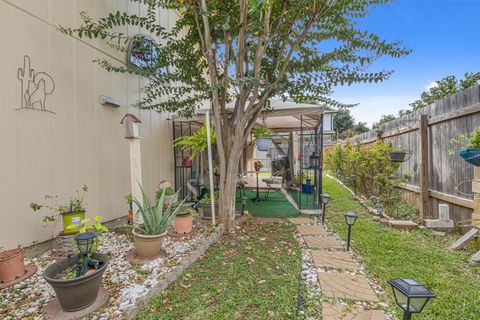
371	108
431	85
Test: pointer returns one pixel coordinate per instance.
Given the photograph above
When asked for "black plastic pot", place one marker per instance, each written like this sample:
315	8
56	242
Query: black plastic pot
78	293
398	156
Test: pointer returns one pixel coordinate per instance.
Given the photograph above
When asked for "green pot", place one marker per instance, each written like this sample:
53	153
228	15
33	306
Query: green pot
69	218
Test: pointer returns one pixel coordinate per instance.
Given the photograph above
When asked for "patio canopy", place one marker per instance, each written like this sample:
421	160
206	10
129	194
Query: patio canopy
284	116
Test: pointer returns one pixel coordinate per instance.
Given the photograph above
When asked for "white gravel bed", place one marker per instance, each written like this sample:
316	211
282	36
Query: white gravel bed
125	283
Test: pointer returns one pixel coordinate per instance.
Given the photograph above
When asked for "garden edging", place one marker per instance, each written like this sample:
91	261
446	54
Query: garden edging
131	312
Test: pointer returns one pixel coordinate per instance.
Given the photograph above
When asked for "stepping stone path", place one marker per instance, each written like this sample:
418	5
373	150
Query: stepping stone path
345	312
339	275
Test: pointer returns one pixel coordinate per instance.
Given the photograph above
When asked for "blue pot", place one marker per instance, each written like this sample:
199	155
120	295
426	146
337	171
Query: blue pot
472	156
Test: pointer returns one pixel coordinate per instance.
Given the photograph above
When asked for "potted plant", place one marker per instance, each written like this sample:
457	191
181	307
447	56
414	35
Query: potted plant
11	265
129	199
206	207
71	212
183	220
258	165
262	138
76	279
398	155
470	147
166	186
148	236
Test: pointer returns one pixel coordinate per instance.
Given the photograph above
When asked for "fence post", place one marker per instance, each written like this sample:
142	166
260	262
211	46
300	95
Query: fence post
425	204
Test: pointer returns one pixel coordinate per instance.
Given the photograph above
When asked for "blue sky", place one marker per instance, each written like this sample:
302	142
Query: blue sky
445	38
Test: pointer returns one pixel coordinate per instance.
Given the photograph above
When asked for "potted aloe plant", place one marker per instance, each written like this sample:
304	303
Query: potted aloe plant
262	138
470	147
76	279
206	207
148	236
71	212
183	220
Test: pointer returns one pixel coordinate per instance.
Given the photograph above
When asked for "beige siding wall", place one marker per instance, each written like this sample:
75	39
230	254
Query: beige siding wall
82	141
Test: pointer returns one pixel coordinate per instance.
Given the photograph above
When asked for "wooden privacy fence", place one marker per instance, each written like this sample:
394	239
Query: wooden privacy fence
436	176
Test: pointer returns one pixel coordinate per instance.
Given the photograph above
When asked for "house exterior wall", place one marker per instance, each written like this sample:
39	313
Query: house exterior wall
79	141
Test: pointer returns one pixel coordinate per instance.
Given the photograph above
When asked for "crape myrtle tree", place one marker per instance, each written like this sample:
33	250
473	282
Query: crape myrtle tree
237	54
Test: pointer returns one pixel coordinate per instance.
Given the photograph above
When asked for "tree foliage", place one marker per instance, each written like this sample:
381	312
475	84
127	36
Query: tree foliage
239	53
345	125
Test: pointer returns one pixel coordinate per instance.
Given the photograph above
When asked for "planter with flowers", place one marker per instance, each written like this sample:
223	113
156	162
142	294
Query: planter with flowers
262	138
470	147
258	165
71	212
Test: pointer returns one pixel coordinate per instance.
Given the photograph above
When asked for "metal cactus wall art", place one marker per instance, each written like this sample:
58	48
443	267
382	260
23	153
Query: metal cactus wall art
34	86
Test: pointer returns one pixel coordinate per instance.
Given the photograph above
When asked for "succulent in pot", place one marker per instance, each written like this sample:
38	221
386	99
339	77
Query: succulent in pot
184	220
148	236
76	279
262	138
71	212
206	207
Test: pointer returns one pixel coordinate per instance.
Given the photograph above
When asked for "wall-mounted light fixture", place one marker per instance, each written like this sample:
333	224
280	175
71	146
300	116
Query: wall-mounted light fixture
109	101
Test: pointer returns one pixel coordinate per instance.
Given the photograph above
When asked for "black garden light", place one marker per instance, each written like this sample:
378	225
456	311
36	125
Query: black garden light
410	295
85	242
379	209
244	203
350	218
325	200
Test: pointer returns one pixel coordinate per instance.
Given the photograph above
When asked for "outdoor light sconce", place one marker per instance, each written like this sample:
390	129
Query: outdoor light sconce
410	295
109	101
325	200
85	243
350	218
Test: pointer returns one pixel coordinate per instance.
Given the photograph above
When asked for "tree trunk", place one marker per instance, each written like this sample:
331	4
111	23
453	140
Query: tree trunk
228	182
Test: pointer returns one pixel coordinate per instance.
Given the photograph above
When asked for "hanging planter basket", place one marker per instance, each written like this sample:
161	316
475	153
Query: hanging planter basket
264	144
472	156
398	156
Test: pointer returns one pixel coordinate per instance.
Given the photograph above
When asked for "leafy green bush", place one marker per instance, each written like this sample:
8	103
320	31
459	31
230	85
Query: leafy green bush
261	132
367	170
197	142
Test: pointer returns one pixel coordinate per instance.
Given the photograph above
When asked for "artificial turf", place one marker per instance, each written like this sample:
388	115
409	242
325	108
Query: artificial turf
275	207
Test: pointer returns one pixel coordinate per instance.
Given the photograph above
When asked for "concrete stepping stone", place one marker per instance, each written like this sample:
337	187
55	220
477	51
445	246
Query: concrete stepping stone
349	312
325	242
334	259
311	230
300	220
346	286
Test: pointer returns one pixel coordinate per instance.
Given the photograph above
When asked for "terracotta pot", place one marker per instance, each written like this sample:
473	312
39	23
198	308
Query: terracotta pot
148	246
183	224
78	293
11	265
130	217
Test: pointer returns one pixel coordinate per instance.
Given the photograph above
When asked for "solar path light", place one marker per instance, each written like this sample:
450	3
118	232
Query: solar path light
350	218
410	296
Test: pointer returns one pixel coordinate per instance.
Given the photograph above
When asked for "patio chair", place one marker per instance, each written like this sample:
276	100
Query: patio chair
277	178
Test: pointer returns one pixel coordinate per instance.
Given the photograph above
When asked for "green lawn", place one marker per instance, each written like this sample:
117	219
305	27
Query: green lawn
277	206
252	275
390	253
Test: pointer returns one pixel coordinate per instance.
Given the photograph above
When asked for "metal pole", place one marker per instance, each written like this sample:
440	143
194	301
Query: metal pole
348	240
407	315
324	205
210	168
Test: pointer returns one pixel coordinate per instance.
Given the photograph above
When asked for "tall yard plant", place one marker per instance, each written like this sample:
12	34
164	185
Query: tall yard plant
241	53
156	219
367	169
